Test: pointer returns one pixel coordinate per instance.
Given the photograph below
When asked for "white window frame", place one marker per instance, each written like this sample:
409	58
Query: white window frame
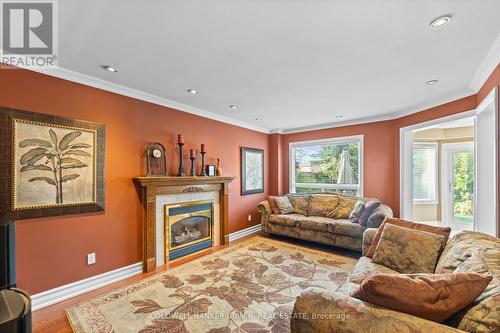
435	200
338	140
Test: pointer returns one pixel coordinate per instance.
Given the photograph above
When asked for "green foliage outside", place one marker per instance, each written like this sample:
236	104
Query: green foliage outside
324	162
463	169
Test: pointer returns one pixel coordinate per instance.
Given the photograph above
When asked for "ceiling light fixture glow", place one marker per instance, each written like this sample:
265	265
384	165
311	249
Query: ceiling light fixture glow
192	91
339	117
233	106
431	82
110	68
258	118
440	21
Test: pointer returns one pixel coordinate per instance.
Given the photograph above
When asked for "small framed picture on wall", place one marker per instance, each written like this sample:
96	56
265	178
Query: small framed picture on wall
252	170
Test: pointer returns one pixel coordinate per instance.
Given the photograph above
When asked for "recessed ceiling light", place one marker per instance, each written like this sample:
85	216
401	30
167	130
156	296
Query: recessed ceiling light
192	91
110	68
440	21
431	82
233	106
258	118
339	117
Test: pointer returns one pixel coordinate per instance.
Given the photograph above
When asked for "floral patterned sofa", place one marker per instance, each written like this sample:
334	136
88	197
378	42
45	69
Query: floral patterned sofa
310	221
318	311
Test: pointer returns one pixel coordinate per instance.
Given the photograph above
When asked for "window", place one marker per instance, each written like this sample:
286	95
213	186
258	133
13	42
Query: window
425	172
331	165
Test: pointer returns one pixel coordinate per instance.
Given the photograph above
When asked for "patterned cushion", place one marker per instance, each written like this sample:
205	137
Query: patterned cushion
272	204
284	205
345	207
408	251
300	203
443	231
356	211
323	205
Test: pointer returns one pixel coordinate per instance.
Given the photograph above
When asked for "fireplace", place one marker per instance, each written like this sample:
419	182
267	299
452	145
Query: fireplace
188	228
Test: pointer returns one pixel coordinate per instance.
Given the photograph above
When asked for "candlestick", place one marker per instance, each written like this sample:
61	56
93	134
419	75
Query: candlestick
192	158
203	148
180	138
181	162
203	173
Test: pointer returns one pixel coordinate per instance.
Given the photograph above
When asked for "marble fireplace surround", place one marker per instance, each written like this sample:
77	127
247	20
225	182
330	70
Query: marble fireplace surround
156	192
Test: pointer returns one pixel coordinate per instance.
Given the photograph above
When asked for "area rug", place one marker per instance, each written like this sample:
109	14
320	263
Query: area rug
249	287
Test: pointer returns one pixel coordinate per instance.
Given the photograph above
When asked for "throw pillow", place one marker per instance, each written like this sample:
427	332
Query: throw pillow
284	205
300	203
434	296
445	232
323	205
272	204
407	251
356	211
344	208
370	208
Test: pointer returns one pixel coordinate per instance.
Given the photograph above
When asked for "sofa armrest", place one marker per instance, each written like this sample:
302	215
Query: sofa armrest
368	236
376	219
319	311
265	211
264	208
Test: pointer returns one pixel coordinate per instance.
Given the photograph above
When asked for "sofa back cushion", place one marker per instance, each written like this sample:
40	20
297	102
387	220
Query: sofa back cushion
471	251
431	296
284	205
300	203
407	250
445	232
323	205
345	207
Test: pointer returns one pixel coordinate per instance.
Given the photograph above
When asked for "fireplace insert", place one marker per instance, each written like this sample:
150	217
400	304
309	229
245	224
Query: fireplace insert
188	228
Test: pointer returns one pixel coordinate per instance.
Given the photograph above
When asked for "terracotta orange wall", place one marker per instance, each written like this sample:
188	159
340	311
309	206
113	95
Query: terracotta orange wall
52	251
379	163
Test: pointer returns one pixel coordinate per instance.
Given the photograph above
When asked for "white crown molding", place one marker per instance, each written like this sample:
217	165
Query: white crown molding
245	232
488	65
389	116
464	92
337	124
73	289
91	81
67	291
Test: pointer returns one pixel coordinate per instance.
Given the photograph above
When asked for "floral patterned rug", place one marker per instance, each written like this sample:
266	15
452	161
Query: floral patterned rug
249	287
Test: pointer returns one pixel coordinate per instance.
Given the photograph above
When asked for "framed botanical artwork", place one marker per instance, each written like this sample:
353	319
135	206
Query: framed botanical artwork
50	165
252	170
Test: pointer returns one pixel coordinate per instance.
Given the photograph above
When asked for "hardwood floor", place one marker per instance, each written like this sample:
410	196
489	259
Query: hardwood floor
52	319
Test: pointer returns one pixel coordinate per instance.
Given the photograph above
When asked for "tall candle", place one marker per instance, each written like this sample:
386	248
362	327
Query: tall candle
191	153
202	147
180	138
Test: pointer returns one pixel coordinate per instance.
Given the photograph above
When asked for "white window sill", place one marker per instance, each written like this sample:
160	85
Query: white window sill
425	202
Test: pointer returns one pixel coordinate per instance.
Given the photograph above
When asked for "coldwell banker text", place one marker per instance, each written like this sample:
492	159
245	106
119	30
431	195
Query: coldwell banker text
29	33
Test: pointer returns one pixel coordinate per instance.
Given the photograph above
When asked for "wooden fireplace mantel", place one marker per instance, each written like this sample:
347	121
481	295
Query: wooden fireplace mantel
150	187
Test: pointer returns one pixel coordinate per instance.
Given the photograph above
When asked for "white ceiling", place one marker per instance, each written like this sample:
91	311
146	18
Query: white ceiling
291	63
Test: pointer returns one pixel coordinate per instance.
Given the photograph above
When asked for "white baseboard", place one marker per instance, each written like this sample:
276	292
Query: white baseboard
245	232
73	289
